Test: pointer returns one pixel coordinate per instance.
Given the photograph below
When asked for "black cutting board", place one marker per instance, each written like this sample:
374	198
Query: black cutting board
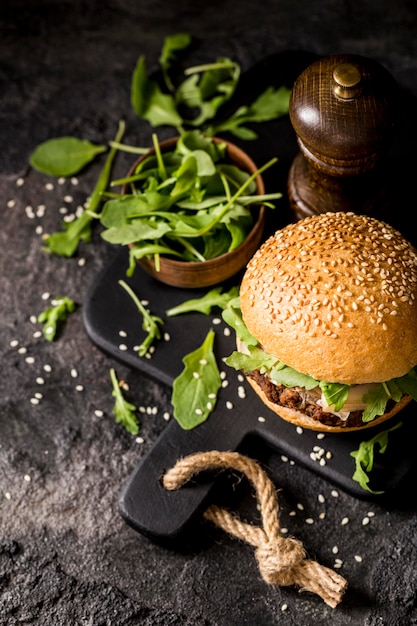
236	420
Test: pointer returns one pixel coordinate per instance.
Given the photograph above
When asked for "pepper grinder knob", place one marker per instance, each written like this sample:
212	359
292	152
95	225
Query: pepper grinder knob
342	109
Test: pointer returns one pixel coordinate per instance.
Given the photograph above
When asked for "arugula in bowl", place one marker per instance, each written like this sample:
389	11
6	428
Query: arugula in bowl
187	199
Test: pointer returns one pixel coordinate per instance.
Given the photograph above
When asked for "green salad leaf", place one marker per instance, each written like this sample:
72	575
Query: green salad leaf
54	316
64	156
66	243
169	54
150	324
124	411
194	392
271	104
216	297
365	455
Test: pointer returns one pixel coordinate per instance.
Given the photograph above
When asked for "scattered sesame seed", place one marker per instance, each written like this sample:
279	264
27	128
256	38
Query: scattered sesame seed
338	563
299	430
49	186
345	521
371	514
284	531
38	395
358	558
335	550
322	515
309	521
139	440
40	380
123	347
47	367
14	343
321	498
20	182
68	198
334	493
261	419
22	350
27	478
321	435
166	416
8	495
196	375
167	337
74	181
61	180
122	333
229	405
81	262
30	360
79	388
284	607
37	334
300	507
74	373
11	204
216	320
33	319
365	521
227	332
98	413
198	412
225	383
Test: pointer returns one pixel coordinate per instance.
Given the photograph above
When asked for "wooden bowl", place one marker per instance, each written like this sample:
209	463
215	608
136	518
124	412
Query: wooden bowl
195	274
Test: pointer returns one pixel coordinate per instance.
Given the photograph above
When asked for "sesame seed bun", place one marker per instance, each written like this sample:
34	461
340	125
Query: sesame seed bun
334	296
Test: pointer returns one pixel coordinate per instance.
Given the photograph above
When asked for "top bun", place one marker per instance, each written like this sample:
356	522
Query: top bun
335	296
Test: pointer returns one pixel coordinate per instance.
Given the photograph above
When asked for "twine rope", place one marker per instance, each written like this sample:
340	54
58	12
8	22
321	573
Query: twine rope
281	560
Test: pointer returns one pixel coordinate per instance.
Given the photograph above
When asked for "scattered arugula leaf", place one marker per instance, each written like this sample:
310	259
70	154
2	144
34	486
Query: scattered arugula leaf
171	46
64	156
53	316
199	97
216	297
65	243
194	392
151	323
124	411
271	104
364	457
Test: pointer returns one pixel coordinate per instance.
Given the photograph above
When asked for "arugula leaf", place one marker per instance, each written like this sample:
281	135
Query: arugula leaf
271	104
335	394
289	377
150	322
150	102
408	383
64	156
208	87
216	297
54	315
172	44
364	457
232	315
66	243
124	411
256	359
194	392
376	402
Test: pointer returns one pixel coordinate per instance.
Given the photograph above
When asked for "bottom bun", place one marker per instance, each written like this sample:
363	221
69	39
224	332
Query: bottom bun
300	419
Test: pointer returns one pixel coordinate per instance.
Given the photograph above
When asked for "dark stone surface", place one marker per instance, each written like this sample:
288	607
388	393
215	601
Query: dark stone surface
66	556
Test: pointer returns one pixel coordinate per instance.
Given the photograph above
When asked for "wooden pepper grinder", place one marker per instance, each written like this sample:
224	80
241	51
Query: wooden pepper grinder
342	109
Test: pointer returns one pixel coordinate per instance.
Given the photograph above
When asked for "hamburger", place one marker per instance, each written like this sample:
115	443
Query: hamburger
326	322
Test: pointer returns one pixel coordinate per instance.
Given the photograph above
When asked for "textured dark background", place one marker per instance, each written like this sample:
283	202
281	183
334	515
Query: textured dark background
66	556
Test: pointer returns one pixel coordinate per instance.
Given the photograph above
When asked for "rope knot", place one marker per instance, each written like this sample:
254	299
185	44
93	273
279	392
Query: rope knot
278	558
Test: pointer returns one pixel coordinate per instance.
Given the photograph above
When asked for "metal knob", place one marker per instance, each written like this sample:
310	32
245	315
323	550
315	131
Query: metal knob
347	81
